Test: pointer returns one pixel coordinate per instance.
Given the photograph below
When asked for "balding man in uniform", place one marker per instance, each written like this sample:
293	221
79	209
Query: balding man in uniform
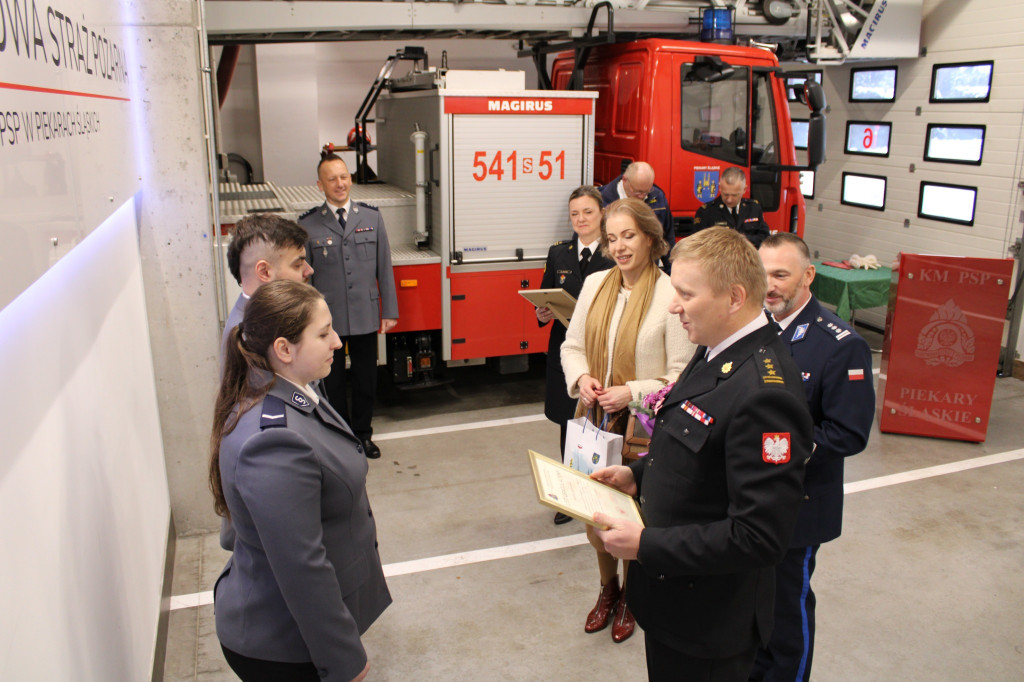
638	182
835	363
731	209
348	248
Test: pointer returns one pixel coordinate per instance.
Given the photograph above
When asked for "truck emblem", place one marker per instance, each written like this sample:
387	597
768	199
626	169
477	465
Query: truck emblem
946	339
705	185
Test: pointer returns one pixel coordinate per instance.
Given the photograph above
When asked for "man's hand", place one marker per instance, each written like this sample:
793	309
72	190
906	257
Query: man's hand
621	539
544	314
387	324
589	388
618	477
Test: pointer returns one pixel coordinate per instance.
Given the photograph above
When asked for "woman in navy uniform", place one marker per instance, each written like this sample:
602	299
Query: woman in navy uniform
622	343
568	264
305	579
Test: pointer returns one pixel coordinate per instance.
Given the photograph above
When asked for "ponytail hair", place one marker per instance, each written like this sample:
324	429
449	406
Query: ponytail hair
281	309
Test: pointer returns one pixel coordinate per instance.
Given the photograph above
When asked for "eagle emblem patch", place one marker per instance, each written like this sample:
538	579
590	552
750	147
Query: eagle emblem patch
775	448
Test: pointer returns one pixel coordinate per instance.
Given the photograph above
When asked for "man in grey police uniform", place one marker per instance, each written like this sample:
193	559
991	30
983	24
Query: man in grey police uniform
638	182
351	258
732	210
836	366
722	483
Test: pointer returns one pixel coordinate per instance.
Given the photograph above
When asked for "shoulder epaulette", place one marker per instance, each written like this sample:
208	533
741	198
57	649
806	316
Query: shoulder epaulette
309	212
564	241
838	331
365	205
767	367
274	414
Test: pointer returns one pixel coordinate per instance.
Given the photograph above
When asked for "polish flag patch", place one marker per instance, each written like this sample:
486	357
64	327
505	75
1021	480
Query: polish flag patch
775	447
855	374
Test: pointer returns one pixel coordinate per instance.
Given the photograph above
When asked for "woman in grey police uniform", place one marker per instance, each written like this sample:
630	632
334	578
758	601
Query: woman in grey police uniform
305	579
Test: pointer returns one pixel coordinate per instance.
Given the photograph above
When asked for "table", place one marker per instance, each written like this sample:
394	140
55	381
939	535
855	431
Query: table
849	290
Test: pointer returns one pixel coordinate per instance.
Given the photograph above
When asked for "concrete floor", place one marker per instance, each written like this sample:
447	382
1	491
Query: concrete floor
923	585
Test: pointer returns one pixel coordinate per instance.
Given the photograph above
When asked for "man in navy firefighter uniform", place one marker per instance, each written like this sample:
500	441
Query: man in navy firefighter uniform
637	181
732	210
722	483
836	366
351	258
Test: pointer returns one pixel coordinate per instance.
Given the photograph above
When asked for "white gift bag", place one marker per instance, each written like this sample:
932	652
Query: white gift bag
589	448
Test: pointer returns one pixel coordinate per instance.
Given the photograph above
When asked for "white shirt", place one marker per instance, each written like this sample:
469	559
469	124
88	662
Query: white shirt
345	208
593	246
621	190
752	326
785	322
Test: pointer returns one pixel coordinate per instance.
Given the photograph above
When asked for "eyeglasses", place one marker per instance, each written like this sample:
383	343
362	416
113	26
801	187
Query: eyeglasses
634	192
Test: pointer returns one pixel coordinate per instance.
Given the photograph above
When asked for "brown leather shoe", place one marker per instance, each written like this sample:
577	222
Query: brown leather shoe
599	616
623	624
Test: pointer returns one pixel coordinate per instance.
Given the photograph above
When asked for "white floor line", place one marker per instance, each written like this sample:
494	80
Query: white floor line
434	430
196	599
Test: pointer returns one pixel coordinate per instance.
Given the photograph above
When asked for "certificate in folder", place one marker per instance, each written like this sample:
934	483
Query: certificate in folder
576	494
558	301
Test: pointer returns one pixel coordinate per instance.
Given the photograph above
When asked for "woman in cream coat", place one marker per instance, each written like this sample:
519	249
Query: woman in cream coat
622	343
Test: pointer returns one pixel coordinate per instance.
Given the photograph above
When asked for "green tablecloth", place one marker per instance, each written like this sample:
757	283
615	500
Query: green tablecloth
849	290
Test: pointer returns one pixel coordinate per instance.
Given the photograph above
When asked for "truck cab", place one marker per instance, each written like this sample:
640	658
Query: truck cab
691	110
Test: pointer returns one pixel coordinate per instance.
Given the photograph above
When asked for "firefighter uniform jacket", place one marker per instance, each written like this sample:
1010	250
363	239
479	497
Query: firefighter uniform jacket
750	222
352	268
562	269
720	490
835	363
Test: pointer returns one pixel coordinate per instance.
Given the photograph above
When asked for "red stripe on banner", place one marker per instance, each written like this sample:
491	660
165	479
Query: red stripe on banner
54	91
518	105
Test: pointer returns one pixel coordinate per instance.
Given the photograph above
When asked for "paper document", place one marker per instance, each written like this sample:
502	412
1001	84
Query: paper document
570	492
558	301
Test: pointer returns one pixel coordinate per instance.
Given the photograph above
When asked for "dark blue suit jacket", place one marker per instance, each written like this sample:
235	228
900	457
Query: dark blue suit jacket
836	366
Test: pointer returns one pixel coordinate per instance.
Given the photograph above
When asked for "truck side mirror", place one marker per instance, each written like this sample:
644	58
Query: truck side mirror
814	95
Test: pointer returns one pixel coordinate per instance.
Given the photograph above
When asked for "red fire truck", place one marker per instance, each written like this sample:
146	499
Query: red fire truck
693	109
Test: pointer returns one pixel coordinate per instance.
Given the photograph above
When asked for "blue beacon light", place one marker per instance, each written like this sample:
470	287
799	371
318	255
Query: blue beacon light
716	25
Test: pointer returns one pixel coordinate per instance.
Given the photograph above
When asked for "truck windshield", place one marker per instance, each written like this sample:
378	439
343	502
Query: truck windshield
716	116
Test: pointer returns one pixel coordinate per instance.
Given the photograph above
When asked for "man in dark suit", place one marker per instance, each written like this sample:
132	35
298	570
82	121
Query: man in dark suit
722	483
638	182
732	210
836	366
351	258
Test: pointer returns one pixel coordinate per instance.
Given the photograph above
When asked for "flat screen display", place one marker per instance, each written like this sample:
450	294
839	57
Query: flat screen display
949	203
864	190
800	128
967	82
807	184
950	143
873	84
868	137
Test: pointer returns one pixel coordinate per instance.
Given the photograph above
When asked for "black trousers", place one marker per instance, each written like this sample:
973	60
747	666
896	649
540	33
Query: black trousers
665	664
791	648
258	670
362	379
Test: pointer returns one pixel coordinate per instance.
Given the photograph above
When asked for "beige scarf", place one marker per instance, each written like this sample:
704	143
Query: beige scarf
598	326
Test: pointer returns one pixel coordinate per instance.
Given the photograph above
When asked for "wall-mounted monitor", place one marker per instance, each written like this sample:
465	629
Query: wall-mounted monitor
797	82
954	143
807	183
867	191
873	84
963	82
949	203
868	137
800	128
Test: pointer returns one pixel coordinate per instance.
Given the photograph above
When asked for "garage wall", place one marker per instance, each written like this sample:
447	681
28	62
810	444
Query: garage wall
952	31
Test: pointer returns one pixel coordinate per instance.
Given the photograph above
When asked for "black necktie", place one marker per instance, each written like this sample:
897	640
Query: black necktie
584	259
735	213
341	217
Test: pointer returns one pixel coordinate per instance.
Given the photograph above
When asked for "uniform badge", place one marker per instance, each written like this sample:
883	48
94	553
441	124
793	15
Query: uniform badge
561	279
330	242
801	331
855	374
726	367
775	448
697	413
300	399
364	229
806	376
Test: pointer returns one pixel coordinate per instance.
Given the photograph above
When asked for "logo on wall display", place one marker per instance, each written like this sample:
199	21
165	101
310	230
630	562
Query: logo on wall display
947	339
775	447
705	185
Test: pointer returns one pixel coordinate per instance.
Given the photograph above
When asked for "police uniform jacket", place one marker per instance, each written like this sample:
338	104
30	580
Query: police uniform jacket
562	269
305	578
656	201
750	222
234	319
719	491
352	268
835	363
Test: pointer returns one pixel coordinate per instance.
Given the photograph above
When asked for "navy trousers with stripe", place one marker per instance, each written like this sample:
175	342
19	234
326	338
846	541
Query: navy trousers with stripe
789	653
